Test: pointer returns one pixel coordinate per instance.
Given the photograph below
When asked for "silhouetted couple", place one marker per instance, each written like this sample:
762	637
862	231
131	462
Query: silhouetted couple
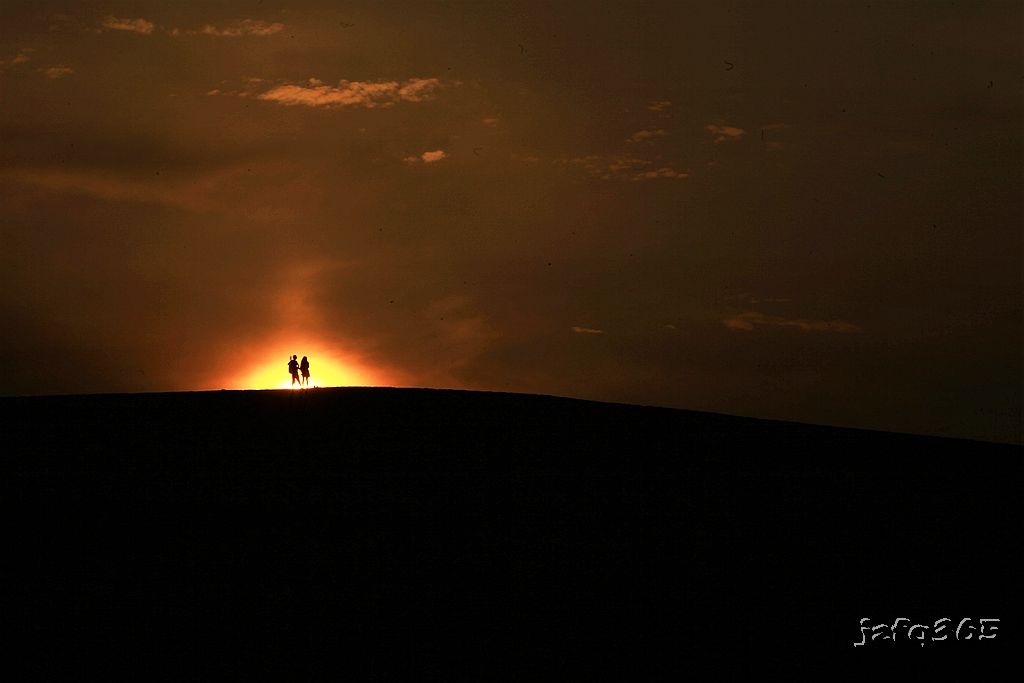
295	368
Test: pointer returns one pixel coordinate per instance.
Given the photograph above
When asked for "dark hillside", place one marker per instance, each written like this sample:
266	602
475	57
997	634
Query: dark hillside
476	536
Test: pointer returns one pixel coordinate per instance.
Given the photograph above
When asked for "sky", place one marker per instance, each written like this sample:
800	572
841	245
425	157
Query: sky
806	211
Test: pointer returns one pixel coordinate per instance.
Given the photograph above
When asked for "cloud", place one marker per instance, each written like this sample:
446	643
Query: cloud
99	185
659	105
646	135
620	168
368	94
617	164
586	330
216	190
418	89
725	133
19	58
747	321
242	27
54	72
491	121
427	157
133	25
664	172
605	167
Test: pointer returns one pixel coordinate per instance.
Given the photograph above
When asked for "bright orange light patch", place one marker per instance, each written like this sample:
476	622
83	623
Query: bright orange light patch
263	364
269	369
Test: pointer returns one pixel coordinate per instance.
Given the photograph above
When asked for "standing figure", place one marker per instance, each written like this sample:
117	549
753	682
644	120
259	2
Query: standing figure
304	367
293	368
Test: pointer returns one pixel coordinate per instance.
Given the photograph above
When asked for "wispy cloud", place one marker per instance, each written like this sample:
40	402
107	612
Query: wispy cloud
621	167
92	184
427	157
20	58
604	167
242	27
491	121
133	25
624	163
232	29
663	172
368	94
217	190
660	105
646	135
55	72
586	330
723	133
747	321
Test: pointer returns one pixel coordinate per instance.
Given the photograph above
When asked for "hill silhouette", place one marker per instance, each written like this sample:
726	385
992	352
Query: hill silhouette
481	536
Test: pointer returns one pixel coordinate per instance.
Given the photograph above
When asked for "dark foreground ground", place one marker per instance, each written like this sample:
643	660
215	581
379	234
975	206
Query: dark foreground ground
467	536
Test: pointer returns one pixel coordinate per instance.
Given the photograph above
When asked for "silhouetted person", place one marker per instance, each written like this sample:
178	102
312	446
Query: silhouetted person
304	367
293	368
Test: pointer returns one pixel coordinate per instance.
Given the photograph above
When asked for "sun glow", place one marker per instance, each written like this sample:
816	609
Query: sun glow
269	369
263	363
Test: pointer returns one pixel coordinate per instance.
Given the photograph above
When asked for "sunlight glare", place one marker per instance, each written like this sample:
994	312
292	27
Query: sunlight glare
325	370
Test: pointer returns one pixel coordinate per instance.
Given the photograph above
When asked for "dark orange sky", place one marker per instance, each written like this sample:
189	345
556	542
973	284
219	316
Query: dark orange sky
806	211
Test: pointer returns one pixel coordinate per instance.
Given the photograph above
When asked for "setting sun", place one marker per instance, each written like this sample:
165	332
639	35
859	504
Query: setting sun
268	369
